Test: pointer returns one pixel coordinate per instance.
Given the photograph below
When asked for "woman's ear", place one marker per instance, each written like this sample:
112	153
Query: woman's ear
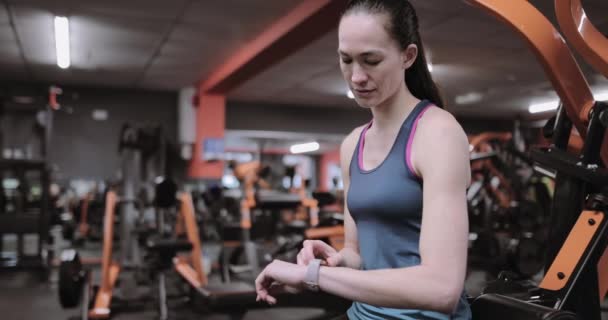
409	55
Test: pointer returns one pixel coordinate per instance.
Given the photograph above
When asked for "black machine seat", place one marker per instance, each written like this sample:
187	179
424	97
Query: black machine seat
498	307
227	296
166	248
169	245
267	199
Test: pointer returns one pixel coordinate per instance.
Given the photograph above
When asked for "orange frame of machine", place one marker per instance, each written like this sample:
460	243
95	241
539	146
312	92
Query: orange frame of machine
109	268
573	89
83	226
189	267
593	46
249	202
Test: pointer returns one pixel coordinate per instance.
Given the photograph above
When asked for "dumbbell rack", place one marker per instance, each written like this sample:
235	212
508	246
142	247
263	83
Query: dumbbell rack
24	219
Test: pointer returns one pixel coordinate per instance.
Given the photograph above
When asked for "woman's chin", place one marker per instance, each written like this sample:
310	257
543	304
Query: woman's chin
364	103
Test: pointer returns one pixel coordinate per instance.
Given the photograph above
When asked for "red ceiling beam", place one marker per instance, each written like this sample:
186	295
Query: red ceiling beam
305	23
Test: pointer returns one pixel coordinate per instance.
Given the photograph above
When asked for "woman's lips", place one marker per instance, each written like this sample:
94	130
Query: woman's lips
364	93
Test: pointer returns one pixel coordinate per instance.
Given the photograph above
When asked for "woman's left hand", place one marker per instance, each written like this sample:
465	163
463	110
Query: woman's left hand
278	273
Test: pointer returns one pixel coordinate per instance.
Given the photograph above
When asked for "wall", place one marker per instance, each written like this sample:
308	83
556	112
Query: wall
83	148
87	149
252	116
259	116
96	142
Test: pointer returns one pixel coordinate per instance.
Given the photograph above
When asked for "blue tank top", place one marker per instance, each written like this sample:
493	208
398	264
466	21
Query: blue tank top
386	205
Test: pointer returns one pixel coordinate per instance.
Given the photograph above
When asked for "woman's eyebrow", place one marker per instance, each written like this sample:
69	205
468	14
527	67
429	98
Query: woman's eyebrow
364	54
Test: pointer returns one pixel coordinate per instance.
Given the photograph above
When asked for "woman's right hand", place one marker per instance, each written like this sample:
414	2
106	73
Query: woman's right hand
317	249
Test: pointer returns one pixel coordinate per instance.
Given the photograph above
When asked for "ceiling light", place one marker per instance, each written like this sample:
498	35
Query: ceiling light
304	147
543	107
601	96
553	105
430	66
471	97
350	94
62	41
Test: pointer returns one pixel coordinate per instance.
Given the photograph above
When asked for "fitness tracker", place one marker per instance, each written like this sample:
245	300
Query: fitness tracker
311	279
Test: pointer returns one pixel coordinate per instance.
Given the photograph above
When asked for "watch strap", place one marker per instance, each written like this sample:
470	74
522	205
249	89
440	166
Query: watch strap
311	279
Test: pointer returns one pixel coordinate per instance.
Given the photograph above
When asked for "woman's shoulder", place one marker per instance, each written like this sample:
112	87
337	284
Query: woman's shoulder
438	121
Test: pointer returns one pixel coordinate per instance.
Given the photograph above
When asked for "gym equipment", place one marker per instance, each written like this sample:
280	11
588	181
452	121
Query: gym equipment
576	259
72	277
89	214
508	206
507	308
142	153
24	212
234	297
258	199
75	282
266	206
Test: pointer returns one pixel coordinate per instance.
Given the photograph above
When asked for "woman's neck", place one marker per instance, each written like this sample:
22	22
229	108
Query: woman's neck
389	115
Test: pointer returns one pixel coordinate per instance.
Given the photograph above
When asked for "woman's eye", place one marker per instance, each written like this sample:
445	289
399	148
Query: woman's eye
373	63
347	61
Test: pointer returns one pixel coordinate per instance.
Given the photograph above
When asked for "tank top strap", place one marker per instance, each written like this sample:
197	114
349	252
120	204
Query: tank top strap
411	126
354	161
416	113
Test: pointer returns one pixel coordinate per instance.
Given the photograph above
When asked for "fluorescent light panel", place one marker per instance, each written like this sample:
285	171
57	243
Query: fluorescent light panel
543	107
553	105
350	94
304	147
601	96
62	41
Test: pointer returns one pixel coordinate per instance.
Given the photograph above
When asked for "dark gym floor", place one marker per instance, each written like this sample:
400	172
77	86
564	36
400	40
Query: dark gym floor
24	297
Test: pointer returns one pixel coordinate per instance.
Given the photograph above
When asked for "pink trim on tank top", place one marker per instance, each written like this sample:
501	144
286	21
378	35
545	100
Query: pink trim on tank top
408	149
361	143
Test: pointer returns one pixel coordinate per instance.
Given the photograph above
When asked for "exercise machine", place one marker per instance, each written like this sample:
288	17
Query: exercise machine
142	154
235	297
575	265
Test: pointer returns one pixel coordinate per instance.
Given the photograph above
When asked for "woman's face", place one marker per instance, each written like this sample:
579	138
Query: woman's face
371	61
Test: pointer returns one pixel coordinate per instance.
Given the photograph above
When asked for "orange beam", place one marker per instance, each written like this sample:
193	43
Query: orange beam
305	23
101	309
210	124
554	55
108	235
571	252
187	213
109	269
84	210
586	39
582	34
186	271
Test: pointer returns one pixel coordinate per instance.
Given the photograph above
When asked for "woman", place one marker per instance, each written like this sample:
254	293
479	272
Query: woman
405	179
